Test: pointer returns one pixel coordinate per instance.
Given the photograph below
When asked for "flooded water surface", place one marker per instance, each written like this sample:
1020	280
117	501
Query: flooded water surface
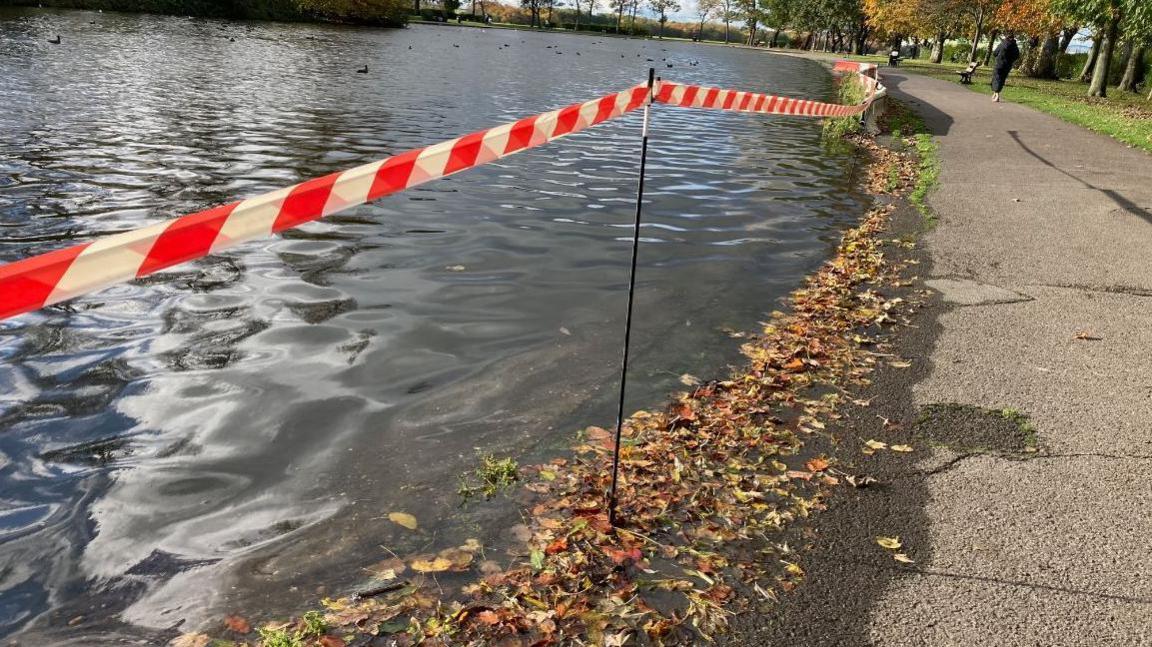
232	433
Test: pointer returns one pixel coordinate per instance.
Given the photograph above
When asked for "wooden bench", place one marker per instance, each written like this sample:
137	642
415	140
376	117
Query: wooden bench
966	73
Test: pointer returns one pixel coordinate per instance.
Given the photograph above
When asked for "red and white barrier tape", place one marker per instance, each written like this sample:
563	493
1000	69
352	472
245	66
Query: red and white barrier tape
35	282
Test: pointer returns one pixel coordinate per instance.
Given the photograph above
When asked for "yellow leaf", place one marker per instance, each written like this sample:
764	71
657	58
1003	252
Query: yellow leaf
690	380
460	558
190	640
875	444
436	565
901	557
891	543
404	519
901	448
900	364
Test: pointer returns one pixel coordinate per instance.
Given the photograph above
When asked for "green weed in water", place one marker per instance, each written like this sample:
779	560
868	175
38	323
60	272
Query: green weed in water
279	638
492	476
314	625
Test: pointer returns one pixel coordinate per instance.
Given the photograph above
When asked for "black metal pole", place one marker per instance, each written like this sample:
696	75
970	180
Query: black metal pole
612	500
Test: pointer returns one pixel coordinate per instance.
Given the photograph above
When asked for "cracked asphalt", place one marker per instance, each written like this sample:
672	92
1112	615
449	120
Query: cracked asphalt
1042	267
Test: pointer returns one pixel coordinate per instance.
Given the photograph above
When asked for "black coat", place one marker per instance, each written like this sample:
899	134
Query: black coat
1006	53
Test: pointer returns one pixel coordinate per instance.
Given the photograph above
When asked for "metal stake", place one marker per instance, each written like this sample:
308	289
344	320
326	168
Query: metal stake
612	500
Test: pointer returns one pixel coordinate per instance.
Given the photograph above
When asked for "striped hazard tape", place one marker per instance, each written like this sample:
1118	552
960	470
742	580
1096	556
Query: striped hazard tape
39	281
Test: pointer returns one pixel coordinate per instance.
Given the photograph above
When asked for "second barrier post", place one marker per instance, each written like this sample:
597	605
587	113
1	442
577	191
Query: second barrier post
612	497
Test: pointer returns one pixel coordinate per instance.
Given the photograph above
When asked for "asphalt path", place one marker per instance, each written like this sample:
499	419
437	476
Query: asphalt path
1040	269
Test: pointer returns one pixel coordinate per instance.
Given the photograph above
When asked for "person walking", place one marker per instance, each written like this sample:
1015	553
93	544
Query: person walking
1006	53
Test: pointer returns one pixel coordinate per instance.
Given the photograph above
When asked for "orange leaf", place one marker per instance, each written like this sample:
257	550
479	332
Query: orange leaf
817	465
683	411
795	365
558	546
237	624
488	617
620	556
332	641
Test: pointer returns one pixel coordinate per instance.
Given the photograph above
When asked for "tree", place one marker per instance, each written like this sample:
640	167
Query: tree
1035	19
728	13
388	12
1134	68
705	9
781	13
533	7
662	9
1110	19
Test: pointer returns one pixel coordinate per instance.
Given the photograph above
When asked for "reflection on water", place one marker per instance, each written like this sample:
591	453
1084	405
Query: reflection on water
237	428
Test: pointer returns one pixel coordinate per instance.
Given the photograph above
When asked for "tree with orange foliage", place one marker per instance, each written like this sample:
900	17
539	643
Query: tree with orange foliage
1035	20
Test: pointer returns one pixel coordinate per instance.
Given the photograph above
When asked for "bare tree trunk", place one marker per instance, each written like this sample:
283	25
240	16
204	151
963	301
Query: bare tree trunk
619	14
1090	63
991	46
979	33
1133	69
726	23
1066	36
1099	87
775	34
938	47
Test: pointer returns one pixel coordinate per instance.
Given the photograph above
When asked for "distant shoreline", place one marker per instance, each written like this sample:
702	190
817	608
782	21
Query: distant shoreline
269	11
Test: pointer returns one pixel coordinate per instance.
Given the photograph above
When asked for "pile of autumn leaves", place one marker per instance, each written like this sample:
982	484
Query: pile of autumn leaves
705	488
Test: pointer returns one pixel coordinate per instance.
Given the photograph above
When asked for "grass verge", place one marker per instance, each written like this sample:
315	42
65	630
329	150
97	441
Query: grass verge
1123	116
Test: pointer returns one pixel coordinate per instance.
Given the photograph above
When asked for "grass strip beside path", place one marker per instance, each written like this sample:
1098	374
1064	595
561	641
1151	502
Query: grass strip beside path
1124	116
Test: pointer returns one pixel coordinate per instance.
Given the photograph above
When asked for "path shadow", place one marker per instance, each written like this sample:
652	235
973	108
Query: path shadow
1121	201
936	121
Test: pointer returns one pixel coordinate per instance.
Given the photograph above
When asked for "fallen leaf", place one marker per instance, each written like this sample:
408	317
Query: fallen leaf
565	331
537	559
404	519
455	268
237	624
901	557
861	481
1087	336
901	448
488	617
459	557
891	543
683	411
332	641
190	640
387	569
435	565
690	380
817	465
875	444
899	364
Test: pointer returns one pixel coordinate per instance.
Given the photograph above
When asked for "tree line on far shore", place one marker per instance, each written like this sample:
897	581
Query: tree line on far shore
392	13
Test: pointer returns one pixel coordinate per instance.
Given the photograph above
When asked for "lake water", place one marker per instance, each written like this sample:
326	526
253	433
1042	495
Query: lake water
231	434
